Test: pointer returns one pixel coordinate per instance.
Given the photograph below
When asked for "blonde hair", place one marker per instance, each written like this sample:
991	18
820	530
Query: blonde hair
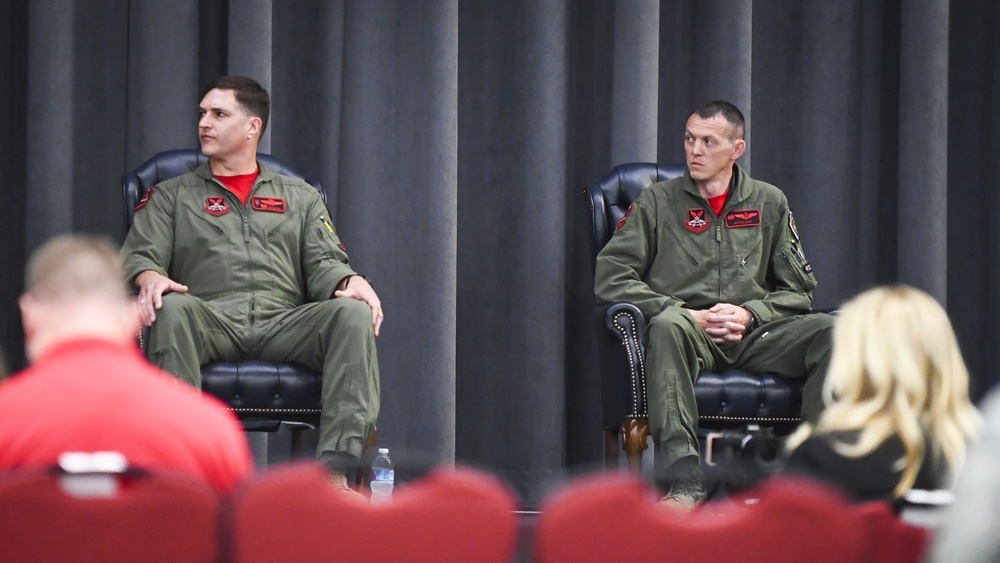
69	266
896	370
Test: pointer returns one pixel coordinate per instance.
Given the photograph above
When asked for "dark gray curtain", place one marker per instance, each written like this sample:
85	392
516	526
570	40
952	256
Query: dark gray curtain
454	137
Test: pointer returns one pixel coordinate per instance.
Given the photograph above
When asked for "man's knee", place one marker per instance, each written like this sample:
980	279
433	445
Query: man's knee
820	327
347	314
178	309
670	324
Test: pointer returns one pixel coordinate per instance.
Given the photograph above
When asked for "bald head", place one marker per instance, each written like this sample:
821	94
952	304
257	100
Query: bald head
75	266
75	288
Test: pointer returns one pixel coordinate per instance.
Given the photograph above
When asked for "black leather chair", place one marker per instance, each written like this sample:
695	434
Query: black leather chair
725	400
265	396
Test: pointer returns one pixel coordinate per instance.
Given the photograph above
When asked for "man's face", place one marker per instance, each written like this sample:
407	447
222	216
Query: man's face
224	128
709	148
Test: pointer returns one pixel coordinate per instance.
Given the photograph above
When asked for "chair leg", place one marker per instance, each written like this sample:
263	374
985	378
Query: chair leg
298	442
611	448
635	431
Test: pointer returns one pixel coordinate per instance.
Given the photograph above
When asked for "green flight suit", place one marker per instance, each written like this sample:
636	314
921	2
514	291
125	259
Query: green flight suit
671	253
260	283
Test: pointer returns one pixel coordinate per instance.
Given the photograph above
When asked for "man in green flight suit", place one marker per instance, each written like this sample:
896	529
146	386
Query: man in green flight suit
234	261
713	261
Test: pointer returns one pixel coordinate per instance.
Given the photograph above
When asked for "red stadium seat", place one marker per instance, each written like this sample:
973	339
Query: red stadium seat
450	515
46	515
615	518
890	539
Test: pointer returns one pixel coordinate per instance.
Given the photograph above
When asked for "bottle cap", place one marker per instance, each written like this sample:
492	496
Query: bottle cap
383	450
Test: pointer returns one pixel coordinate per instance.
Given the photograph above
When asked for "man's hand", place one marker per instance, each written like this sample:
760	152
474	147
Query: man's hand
357	287
724	322
152	285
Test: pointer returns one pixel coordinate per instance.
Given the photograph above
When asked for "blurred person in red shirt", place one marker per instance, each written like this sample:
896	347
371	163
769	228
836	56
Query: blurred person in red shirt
89	388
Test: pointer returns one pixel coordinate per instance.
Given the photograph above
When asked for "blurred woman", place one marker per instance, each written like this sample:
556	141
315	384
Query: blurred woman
898	414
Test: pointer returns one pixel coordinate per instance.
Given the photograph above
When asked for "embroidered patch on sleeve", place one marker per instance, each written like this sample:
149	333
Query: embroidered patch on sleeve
697	220
793	227
624	218
145	198
269	204
327	224
743	218
216	206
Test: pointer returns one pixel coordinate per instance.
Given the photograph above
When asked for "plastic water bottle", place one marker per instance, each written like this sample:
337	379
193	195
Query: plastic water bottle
383	477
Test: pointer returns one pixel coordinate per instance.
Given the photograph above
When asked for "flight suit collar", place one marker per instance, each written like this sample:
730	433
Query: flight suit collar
738	192
266	174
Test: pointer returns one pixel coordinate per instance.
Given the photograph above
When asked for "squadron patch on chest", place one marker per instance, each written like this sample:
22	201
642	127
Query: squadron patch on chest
697	220
743	218
269	204
216	206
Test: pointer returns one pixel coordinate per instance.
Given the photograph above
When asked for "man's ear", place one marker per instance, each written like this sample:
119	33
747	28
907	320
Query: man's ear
254	127
29	314
739	147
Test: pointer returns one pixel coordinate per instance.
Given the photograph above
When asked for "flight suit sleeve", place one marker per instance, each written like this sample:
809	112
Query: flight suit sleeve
149	244
624	262
790	275
324	257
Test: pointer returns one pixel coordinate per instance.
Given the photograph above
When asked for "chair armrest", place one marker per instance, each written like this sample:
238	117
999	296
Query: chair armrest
622	317
624	324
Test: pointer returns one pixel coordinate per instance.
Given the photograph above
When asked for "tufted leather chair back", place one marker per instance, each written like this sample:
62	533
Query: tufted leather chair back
170	164
613	194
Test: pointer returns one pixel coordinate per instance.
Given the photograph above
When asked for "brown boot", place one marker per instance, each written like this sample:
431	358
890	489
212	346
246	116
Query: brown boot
339	483
687	488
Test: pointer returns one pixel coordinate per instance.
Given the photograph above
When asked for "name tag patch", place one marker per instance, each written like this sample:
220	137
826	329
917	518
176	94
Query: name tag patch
743	218
269	204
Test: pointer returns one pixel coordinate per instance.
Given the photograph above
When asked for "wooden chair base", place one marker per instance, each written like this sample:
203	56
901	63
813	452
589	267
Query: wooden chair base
634	433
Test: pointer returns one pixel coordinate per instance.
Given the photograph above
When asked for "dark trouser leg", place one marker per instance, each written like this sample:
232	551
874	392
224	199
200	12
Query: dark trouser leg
337	338
188	333
793	347
677	349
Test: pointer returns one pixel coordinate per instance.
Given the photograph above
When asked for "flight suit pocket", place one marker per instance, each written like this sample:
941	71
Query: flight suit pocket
794	266
282	238
203	254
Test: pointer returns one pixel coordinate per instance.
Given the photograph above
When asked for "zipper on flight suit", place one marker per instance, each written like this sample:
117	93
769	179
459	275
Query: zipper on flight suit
246	237
246	240
718	251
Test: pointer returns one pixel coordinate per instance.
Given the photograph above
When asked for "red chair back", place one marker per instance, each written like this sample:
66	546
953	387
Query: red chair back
890	539
615	518
147	517
293	514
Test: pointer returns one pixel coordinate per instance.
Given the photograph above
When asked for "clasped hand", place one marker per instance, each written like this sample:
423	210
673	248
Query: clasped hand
724	322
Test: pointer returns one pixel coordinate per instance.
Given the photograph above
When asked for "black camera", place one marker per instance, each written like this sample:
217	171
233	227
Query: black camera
744	456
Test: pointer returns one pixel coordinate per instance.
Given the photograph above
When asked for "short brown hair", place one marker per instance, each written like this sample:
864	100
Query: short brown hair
249	94
729	112
75	266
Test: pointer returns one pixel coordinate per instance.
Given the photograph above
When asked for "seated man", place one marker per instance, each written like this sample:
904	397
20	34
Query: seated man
89	389
719	290
234	261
